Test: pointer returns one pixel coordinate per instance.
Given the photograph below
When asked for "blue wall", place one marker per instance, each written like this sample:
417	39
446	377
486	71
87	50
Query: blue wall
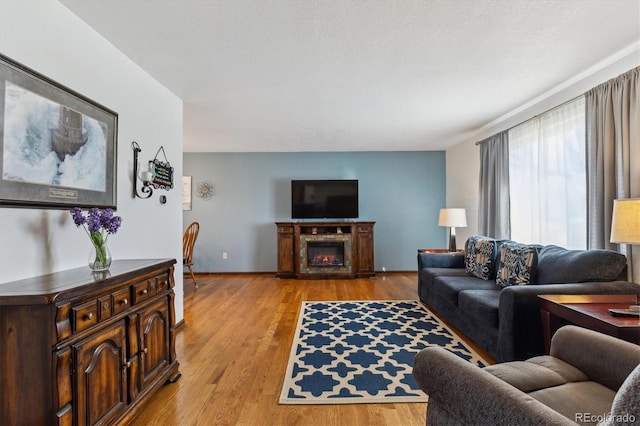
401	191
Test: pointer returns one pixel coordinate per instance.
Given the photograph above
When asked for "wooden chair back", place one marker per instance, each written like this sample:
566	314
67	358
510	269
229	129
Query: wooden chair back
188	243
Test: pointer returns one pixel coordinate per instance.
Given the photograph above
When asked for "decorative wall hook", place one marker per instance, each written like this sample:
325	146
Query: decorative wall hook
146	176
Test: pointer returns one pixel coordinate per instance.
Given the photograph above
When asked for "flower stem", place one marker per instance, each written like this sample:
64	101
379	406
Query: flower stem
99	243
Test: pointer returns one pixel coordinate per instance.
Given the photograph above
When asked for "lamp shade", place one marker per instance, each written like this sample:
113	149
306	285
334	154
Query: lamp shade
452	217
625	223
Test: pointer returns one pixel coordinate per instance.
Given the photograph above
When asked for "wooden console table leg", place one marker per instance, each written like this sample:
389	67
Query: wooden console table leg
550	324
546	325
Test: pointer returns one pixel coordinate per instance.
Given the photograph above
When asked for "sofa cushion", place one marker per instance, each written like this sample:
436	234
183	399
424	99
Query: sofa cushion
580	402
447	288
427	277
567	371
557	265
430	274
480	305
526	376
517	264
481	256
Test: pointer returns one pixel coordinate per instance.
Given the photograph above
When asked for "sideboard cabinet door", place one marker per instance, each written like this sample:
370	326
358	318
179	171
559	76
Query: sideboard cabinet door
101	376
154	324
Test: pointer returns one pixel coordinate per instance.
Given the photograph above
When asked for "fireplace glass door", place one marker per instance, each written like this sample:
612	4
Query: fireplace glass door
323	253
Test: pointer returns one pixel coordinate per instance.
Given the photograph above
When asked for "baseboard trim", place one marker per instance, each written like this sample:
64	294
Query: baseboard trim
203	274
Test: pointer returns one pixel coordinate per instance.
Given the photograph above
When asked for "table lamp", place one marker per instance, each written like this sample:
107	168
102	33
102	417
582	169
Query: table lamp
625	225
452	218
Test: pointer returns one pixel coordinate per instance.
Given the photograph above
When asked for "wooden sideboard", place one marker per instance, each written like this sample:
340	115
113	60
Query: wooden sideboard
358	243
84	348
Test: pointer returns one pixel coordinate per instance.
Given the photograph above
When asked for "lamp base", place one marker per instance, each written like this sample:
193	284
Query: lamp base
452	239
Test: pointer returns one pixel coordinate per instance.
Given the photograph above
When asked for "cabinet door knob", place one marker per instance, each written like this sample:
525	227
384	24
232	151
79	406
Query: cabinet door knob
145	350
128	364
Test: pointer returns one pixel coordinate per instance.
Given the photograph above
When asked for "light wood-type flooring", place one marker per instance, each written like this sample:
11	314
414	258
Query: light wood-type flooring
234	346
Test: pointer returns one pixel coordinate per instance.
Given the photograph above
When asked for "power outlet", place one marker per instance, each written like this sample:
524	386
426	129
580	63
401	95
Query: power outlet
225	256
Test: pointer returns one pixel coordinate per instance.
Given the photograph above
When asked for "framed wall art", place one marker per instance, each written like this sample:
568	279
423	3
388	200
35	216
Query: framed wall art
186	193
58	148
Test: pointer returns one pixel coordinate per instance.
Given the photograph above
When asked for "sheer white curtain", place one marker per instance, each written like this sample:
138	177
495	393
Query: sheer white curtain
547	173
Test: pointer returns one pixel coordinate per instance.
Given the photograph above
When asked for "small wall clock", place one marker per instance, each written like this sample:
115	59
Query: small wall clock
205	190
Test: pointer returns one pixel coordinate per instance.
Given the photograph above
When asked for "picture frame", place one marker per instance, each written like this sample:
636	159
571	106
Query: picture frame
58	148
186	193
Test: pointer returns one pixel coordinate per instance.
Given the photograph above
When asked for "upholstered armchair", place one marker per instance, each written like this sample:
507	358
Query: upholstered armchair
588	378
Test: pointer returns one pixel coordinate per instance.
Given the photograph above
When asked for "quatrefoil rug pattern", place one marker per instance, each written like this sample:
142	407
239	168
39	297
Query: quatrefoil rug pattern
353	352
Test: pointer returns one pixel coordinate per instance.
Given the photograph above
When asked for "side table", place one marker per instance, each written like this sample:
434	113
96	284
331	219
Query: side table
589	311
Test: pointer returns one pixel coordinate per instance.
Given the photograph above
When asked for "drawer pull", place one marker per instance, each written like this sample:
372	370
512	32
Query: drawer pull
128	364
124	301
145	350
105	306
145	291
89	316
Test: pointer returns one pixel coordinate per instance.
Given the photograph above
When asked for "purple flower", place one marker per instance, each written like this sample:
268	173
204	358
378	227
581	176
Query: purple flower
94	223
78	217
97	222
113	225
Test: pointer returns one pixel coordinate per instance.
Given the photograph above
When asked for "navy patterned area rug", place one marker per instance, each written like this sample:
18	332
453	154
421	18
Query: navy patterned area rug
354	352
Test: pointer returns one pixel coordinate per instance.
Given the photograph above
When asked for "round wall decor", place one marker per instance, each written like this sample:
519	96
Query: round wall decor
205	190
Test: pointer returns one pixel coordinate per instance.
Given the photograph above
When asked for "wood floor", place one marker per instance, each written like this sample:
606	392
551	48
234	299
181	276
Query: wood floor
234	346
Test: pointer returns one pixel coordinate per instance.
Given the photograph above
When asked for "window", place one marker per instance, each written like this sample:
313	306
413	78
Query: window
547	176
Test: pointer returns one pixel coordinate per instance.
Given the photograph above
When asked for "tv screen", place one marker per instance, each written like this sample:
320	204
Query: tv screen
324	199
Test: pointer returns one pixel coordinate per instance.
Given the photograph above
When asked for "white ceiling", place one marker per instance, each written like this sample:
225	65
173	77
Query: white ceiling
356	75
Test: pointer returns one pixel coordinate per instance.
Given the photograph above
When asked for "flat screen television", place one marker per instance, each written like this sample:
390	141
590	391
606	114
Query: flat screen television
324	199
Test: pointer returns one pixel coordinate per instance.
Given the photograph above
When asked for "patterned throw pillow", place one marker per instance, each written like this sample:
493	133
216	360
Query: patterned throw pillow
517	266
480	256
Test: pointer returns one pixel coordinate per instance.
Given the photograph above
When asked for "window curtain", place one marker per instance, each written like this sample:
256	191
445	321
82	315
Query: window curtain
547	178
493	206
613	153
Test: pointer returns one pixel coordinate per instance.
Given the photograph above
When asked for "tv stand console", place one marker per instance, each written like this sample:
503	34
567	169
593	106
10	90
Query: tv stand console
325	250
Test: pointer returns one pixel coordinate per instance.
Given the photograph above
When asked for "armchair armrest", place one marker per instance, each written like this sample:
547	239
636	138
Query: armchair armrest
605	359
474	396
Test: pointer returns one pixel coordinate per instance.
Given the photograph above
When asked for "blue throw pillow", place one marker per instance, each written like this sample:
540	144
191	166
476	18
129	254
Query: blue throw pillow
517	265
480	256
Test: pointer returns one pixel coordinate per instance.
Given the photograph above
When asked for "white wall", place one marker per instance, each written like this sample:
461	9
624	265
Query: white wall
463	159
48	38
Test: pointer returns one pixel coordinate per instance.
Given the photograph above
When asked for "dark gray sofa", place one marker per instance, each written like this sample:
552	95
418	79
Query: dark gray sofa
505	321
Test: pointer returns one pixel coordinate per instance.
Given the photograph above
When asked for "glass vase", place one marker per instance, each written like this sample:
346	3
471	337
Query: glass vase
99	257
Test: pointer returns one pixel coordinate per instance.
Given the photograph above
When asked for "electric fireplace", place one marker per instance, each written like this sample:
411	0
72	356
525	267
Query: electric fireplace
321	254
